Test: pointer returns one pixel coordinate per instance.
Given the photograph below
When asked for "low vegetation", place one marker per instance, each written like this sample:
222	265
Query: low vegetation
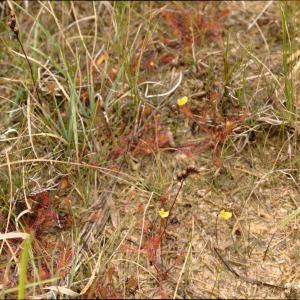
149	149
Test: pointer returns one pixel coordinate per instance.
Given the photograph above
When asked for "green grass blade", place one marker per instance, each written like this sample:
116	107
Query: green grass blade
23	268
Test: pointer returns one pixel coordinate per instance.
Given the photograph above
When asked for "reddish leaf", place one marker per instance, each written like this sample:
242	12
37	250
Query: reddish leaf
189	26
223	13
44	218
152	245
84	96
180	23
185	110
44	272
63	262
109	292
169	42
162	291
131	284
112	74
217	162
166	58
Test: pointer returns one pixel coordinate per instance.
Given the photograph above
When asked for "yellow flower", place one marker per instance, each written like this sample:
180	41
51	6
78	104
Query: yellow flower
163	214
182	101
225	215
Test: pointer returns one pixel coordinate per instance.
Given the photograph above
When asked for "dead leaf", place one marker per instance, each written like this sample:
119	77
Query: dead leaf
131	284
102	58
63	183
112	74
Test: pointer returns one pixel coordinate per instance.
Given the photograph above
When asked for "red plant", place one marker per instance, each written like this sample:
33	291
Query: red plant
152	246
105	287
44	218
151	139
166	58
64	260
217	128
189	26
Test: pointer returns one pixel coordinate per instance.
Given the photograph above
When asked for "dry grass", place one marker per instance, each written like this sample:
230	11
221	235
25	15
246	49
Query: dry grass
94	145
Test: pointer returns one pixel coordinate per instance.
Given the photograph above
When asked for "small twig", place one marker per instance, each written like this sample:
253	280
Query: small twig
226	264
246	279
266	251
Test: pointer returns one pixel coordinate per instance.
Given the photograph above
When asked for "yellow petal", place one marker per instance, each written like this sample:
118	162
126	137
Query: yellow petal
182	101
225	215
163	214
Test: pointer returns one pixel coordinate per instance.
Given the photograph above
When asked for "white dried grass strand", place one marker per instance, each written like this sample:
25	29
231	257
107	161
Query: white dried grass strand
62	290
259	15
168	92
14	235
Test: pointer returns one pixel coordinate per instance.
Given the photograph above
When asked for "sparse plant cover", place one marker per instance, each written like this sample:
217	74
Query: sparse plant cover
149	149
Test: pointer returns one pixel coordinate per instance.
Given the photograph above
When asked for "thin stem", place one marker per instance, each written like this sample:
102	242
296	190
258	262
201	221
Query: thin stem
30	68
170	210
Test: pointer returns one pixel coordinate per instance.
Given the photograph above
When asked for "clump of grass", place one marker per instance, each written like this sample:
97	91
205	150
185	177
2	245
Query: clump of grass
287	21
